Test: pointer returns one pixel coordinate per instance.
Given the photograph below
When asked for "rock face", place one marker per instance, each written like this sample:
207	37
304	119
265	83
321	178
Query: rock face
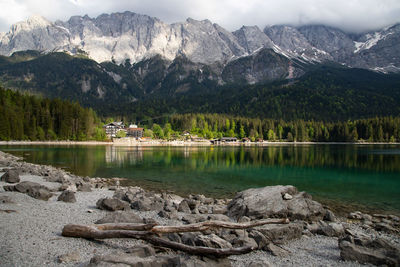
11	176
127	35
32	189
269	202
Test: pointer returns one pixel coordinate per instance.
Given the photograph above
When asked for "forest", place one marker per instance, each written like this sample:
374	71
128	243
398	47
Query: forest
30	117
378	129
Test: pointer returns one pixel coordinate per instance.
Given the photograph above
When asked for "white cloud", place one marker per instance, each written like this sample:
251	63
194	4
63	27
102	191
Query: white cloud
350	15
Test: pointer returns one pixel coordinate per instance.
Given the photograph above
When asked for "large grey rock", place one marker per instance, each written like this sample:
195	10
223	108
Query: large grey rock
112	204
302	207
11	176
32	189
281	233
269	202
360	247
260	202
67	196
120	217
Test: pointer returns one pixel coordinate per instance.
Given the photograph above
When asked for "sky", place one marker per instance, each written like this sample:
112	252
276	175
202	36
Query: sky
348	15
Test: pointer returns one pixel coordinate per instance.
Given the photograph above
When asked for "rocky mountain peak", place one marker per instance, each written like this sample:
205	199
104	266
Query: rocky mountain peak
128	35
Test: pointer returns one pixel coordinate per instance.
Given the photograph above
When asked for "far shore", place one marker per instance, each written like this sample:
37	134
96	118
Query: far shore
133	142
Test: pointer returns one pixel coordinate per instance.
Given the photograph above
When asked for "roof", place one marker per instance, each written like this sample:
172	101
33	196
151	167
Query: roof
135	129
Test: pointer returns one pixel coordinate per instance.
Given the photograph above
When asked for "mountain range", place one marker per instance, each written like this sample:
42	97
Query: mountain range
127	62
121	36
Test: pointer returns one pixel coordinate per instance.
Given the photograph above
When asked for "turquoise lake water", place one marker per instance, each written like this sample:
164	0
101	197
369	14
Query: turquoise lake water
364	176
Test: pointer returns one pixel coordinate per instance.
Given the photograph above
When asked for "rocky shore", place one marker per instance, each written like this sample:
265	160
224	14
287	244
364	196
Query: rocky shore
37	202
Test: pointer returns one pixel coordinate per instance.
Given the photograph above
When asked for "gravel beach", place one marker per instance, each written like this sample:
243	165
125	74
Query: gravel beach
30	231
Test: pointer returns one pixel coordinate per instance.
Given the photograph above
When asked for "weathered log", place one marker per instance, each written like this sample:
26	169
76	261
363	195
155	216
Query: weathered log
92	232
147	232
202	226
125	226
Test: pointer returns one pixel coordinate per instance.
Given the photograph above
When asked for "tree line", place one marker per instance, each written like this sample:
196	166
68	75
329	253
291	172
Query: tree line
30	117
378	129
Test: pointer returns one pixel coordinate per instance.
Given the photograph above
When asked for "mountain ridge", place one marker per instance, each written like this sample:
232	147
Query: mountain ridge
127	35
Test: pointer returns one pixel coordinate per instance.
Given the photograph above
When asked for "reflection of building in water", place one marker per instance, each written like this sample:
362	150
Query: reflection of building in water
115	154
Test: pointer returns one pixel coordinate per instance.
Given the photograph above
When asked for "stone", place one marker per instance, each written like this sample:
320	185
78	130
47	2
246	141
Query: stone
365	249
194	218
302	207
67	196
120	217
269	202
141	251
385	227
124	259
259	238
184	207
112	204
330	216
69	257
189	238
331	229
32	189
281	233
287	196
212	241
219	209
244	242
260	202
276	250
84	187
148	204
168	215
11	176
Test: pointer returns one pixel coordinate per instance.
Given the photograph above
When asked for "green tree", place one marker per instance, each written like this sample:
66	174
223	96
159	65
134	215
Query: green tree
158	131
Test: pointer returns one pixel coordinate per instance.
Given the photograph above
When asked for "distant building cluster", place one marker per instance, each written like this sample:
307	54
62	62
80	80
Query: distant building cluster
113	128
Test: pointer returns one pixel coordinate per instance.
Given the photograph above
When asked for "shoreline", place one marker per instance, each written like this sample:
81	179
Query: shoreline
184	143
311	238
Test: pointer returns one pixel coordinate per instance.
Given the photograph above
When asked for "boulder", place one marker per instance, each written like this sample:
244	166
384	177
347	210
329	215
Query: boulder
280	233
32	189
112	204
269	202
302	207
260	202
365	249
11	176
148	204
67	196
120	217
259	263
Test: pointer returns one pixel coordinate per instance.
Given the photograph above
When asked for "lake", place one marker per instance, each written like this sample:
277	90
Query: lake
365	177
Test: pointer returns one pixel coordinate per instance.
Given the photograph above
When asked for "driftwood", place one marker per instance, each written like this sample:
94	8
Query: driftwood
147	232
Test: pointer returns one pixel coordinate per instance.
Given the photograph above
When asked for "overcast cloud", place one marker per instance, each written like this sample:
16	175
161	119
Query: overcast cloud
349	15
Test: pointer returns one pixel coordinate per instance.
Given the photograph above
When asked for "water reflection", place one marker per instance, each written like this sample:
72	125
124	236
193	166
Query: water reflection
367	175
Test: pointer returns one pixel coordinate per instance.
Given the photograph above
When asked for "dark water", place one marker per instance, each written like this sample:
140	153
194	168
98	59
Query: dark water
367	176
